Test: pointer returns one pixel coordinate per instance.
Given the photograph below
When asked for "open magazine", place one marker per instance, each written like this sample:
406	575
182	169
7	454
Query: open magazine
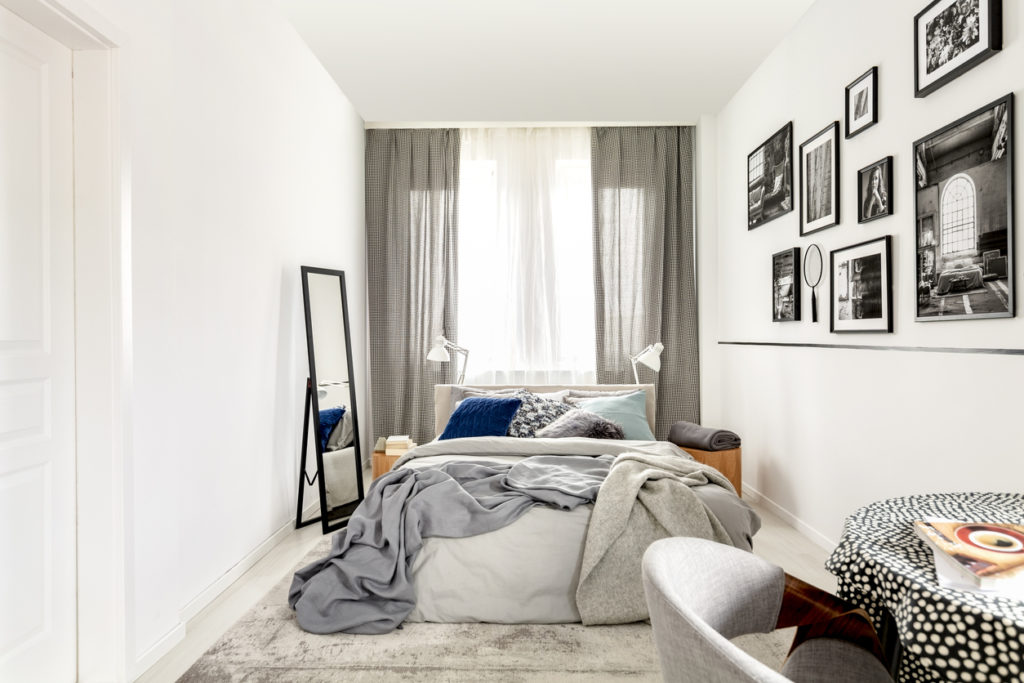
980	556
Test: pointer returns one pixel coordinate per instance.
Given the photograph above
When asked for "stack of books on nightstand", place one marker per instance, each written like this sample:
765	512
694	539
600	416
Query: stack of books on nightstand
398	445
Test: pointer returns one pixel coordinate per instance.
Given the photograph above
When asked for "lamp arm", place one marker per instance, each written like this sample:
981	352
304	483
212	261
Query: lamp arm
636	376
465	358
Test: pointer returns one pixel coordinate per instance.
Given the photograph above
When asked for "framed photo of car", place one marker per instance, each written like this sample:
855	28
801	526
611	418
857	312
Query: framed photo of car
954	36
860	278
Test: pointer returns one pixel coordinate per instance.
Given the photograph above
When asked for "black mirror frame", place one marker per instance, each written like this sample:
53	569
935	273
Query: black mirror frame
330	520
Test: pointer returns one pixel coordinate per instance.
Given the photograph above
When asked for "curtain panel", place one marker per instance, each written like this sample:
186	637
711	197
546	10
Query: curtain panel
412	179
644	272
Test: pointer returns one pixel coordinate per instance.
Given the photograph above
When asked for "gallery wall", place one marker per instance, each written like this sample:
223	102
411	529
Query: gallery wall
826	430
246	161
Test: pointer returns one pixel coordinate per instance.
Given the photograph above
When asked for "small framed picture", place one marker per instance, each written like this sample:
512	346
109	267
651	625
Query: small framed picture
861	287
819	180
770	178
954	36
874	191
964	212
862	103
786	286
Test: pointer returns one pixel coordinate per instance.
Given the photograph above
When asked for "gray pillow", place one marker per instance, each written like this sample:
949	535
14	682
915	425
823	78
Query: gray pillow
535	413
341	435
579	422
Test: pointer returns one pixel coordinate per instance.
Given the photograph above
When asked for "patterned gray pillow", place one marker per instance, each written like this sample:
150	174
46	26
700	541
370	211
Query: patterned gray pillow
579	422
535	413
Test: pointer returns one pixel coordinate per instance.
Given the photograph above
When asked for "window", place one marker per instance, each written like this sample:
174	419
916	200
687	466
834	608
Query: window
958	215
755	166
526	283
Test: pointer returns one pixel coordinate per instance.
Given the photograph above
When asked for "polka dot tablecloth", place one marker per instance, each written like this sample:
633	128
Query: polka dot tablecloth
946	634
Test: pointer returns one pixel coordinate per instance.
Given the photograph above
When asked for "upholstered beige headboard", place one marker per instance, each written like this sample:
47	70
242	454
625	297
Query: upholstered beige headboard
443	396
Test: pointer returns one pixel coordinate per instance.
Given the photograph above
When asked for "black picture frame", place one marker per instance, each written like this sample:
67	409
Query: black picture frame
875	202
786	286
862	103
860	287
948	42
770	178
964	208
819	180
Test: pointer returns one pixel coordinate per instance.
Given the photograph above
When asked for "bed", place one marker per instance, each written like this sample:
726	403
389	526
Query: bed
530	570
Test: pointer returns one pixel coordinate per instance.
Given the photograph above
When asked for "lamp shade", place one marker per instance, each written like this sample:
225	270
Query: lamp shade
438	352
651	356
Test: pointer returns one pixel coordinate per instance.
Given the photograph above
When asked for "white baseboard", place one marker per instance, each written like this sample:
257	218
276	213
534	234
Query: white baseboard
198	603
208	595
159	649
815	536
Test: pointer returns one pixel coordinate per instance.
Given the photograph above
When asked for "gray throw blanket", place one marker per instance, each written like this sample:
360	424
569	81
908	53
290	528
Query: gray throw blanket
689	435
645	497
364	585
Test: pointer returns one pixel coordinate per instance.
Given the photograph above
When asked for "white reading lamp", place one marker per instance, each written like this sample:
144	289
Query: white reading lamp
439	353
650	356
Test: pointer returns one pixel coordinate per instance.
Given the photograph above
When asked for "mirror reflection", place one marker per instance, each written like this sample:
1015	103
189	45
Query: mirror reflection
330	410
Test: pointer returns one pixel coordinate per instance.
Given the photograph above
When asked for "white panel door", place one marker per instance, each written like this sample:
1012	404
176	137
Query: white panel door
37	358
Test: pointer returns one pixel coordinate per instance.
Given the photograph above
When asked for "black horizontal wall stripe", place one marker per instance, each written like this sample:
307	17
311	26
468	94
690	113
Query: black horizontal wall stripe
873	347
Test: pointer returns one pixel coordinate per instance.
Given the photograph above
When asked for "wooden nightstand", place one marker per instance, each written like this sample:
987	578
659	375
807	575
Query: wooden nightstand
382	463
729	463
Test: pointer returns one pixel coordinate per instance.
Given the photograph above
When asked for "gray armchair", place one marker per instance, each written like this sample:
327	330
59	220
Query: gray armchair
700	594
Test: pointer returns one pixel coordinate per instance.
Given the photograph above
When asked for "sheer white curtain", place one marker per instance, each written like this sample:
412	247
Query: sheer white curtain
526	282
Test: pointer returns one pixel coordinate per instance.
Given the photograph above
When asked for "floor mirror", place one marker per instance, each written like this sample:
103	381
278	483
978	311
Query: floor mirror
330	420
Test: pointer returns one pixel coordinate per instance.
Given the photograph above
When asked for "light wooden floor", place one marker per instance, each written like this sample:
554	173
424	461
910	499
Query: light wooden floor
776	542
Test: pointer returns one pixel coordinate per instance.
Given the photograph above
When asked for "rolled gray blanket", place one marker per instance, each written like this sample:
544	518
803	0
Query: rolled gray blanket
689	435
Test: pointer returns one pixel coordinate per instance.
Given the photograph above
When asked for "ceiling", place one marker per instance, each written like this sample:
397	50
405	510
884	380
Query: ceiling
462	61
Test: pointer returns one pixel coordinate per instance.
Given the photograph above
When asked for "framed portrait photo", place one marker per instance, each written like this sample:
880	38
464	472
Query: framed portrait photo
786	286
964	217
770	178
861	287
819	180
874	191
862	103
954	36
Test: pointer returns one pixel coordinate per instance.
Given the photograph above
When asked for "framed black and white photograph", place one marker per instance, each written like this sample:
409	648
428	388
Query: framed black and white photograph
770	178
786	285
874	191
954	36
861	287
819	180
862	103
964	217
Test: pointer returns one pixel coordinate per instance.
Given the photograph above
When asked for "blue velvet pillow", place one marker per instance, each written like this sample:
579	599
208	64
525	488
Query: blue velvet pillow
329	418
629	412
481	417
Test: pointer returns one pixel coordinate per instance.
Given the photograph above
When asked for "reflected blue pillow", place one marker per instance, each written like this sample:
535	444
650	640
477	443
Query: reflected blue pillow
629	412
329	418
481	417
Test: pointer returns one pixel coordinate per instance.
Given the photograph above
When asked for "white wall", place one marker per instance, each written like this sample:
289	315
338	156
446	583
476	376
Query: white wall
825	430
246	162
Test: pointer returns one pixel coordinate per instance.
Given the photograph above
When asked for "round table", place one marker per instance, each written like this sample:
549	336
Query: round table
945	634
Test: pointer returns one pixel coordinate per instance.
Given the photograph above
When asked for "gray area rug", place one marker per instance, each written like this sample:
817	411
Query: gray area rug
266	645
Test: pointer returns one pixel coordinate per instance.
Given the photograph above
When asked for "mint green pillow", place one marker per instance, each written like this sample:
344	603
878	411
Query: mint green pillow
629	412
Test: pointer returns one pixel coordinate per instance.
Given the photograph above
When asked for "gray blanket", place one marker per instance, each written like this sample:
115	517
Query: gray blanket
645	497
690	435
363	585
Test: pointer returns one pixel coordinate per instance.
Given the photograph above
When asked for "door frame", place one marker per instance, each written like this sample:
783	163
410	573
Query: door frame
103	334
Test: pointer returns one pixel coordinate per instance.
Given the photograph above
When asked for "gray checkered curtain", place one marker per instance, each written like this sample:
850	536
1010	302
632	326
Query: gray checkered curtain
644	286
412	179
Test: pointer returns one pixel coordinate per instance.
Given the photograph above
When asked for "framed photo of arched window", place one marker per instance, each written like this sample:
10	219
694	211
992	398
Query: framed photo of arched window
964	206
